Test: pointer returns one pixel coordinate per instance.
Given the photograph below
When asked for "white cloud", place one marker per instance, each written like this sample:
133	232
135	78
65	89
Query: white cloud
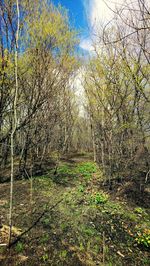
86	44
77	86
97	12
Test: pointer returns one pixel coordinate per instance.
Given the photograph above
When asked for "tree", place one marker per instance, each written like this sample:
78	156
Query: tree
117	89
46	63
14	119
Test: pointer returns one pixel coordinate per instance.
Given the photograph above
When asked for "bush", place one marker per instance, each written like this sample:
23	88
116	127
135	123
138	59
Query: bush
143	238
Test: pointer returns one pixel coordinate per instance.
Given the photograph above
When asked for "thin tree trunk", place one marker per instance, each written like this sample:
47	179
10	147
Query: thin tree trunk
103	136
14	123
94	145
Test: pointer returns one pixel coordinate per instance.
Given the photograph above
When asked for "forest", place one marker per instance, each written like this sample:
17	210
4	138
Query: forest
74	137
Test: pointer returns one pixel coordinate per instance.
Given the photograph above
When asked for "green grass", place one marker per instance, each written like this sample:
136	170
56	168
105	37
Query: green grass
86	167
64	169
99	198
19	247
44	239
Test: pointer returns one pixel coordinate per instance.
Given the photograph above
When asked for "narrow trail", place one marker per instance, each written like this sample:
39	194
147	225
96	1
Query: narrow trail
86	228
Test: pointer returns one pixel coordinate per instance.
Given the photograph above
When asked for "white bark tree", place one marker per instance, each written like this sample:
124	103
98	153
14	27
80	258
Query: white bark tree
14	120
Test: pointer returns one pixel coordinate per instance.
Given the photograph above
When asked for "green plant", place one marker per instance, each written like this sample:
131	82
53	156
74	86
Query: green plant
45	257
44	239
143	238
64	169
46	221
87	176
146	261
89	231
99	198
86	169
81	188
109	264
96	249
64	226
139	210
63	254
81	247
2	249
19	247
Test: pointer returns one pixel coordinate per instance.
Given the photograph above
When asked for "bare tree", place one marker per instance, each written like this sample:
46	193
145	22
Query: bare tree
14	120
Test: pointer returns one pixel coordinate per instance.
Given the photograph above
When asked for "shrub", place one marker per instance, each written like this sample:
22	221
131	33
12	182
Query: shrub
143	238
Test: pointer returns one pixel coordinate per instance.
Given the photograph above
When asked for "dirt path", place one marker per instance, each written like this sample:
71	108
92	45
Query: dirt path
86	228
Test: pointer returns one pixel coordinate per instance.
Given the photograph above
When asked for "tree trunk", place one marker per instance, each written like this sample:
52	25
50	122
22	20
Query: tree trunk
14	124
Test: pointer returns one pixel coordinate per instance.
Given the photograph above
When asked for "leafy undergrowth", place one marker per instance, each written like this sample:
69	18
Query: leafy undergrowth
86	228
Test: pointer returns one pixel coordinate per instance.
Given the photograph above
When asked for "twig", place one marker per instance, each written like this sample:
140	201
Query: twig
103	248
3	245
146	178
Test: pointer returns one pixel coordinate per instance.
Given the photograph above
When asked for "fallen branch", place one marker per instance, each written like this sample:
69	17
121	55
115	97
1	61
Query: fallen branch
146	178
33	225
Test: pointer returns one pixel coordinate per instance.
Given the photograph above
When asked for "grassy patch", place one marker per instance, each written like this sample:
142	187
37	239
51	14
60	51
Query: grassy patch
19	247
86	169
99	198
86	228
64	169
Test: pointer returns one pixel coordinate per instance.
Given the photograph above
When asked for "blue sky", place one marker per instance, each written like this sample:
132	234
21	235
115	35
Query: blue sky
76	12
86	15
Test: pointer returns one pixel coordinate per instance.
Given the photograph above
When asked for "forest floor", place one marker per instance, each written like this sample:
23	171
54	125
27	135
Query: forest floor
88	227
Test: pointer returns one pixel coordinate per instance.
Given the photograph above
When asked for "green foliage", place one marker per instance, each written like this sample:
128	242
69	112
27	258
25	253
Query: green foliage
64	169
64	226
45	257
81	247
99	198
113	208
139	210
86	169
109	264
81	188
44	239
63	254
2	249
146	261
50	26
89	167
96	249
89	231
46	221
143	238
19	247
